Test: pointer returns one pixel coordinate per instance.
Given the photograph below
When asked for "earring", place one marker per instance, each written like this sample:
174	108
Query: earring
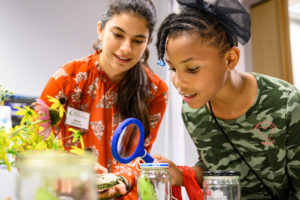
144	57
161	62
100	46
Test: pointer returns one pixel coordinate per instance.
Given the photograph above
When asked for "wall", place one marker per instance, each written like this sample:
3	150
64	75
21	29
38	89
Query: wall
294	12
38	36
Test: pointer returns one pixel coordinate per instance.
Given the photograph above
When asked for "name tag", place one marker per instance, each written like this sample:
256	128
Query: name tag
77	118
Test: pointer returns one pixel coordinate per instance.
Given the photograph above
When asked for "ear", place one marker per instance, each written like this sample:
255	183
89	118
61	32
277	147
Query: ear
232	58
99	30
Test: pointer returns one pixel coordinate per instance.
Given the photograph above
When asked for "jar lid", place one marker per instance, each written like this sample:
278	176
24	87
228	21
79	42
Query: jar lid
54	159
221	173
154	165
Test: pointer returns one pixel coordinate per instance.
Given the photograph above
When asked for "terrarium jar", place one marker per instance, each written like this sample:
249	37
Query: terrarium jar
221	185
56	176
154	182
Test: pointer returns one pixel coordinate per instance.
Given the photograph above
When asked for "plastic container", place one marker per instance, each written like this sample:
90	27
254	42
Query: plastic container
55	176
221	185
154	182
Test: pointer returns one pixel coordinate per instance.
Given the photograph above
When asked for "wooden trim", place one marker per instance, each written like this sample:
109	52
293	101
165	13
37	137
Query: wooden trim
271	39
258	3
284	33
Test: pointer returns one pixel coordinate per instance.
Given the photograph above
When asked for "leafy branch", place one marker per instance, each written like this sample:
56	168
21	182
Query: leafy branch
35	131
4	94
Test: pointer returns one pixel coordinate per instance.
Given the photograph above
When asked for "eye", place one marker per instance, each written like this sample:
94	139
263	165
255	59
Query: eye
172	69
193	70
117	35
138	41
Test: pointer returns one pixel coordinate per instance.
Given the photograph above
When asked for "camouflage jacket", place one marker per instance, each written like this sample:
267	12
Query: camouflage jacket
267	135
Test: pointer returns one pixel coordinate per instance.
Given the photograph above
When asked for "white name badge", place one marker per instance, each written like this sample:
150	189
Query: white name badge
77	118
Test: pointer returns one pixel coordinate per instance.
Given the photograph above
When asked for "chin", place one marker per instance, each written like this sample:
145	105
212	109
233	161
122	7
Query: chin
197	103
194	106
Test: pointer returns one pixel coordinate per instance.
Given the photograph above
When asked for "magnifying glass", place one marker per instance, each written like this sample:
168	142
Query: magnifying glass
128	142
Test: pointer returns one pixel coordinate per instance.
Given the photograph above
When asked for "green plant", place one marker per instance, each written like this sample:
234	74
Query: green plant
35	131
4	94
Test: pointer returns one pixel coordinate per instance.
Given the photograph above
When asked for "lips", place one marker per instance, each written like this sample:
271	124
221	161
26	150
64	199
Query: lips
122	59
188	97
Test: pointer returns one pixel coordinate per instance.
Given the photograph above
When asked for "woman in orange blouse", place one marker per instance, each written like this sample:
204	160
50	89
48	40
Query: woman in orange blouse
111	85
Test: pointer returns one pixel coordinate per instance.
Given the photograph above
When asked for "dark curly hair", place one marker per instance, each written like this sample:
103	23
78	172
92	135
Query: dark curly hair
190	21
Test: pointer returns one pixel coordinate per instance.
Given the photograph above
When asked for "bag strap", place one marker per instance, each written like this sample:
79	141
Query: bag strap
239	153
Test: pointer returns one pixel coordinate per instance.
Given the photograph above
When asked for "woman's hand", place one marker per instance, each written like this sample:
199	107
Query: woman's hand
67	186
112	192
175	172
99	169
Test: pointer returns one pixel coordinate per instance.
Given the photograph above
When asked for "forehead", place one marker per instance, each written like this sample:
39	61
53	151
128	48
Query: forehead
131	23
182	46
187	37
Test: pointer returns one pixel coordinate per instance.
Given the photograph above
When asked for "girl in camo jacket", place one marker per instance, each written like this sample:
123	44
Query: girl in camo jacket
246	122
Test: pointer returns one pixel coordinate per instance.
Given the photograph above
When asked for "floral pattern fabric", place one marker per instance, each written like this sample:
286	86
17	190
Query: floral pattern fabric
84	86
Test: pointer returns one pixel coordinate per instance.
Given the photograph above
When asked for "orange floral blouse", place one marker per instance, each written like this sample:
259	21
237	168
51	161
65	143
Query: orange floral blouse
86	87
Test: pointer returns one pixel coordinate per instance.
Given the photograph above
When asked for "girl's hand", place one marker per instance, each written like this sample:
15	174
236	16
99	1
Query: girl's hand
175	172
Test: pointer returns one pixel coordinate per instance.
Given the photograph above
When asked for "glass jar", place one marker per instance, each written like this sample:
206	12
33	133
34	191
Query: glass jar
52	175
154	182
221	185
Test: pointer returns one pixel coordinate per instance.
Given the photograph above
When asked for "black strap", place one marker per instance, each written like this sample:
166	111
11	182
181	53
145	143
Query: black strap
238	152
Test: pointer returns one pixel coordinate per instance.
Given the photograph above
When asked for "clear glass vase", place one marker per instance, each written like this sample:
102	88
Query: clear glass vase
52	175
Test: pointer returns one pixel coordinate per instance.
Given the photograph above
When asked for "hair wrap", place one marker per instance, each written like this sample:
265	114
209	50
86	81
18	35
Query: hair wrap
230	14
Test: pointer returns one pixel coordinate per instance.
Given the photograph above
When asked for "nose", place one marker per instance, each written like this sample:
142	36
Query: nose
126	47
179	81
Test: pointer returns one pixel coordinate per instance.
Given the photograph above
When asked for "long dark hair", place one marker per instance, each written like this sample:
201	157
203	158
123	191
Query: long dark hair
133	91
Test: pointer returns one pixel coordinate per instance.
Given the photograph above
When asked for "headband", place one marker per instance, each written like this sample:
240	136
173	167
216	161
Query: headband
230	14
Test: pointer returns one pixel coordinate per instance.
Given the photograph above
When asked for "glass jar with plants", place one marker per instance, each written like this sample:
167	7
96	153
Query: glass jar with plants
45	170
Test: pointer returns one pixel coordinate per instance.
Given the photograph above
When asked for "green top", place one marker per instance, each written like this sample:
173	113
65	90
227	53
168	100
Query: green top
267	135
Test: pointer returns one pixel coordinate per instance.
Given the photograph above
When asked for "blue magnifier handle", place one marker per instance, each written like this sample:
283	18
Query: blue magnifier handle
147	158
